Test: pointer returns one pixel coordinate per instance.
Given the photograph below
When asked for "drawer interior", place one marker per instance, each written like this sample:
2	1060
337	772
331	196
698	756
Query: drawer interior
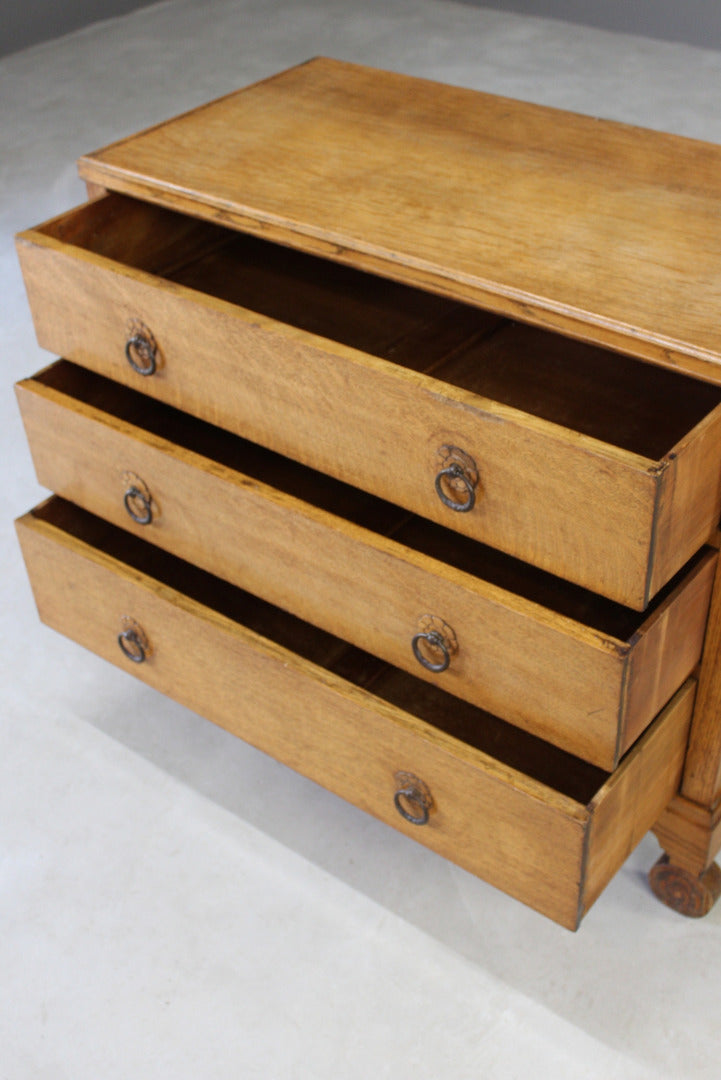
605	616
476	728
638	407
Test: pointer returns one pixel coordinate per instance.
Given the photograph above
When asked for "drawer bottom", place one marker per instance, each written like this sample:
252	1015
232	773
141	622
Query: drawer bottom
529	818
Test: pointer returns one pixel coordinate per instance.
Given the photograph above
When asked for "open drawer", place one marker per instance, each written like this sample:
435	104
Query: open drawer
529	818
559	661
596	467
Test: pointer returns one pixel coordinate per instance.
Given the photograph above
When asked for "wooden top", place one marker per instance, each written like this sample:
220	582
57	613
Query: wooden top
604	231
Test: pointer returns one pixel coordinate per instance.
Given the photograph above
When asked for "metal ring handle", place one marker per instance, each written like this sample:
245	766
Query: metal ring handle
418	799
132	646
456	472
436	641
133	496
143	346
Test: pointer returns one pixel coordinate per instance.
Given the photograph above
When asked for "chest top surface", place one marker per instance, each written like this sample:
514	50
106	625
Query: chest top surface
597	229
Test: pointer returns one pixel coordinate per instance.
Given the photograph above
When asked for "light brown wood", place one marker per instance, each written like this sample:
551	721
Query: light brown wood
95	191
600	230
690	834
610	398
601	515
702	772
691	481
580	672
689	830
353	740
661	651
629	795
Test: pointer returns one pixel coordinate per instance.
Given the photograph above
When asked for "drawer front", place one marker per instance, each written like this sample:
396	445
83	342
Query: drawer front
607	518
550	849
571	683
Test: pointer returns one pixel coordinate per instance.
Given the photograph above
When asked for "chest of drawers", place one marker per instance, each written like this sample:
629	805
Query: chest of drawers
387	435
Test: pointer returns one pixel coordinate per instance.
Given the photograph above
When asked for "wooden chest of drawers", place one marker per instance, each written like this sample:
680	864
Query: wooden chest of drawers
388	436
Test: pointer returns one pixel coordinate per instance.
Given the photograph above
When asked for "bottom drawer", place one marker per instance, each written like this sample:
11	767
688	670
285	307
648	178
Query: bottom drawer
531	819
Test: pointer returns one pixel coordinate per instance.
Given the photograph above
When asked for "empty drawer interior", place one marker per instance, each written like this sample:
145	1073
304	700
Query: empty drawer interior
638	407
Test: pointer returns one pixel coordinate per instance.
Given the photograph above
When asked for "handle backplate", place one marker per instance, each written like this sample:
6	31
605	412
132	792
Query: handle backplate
133	641
434	643
457	479
137	499
412	799
141	349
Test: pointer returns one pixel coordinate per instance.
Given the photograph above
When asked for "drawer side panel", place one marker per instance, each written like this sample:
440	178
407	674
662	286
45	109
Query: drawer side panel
636	795
667	648
689	499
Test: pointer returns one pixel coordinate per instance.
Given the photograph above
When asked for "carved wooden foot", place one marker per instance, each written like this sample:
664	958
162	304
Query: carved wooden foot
689	894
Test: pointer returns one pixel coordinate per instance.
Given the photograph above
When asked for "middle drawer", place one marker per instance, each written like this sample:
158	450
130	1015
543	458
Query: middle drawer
580	671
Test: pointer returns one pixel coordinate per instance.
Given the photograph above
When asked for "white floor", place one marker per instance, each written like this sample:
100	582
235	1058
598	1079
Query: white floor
173	903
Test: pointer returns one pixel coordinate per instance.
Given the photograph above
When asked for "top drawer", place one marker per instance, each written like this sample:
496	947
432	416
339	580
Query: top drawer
596	467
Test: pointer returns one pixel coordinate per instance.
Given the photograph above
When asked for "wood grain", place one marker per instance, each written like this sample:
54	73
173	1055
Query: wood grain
691	481
665	650
689	829
690	833
565	501
346	737
603	231
702	772
635	795
579	672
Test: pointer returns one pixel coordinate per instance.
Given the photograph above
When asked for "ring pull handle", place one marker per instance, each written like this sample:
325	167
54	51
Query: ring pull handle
412	798
437	644
454	476
141	350
434	644
457	479
133	641
138	503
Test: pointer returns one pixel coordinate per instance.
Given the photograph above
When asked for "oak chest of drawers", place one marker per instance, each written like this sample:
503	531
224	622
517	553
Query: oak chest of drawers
387	435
